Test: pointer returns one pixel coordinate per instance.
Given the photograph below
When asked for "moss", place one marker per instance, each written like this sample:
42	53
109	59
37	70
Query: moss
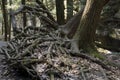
92	50
98	55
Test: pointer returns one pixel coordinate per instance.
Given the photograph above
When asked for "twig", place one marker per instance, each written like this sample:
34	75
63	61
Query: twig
103	72
83	75
5	51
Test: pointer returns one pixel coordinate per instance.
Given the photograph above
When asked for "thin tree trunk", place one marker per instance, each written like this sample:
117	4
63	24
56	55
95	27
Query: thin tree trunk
2	27
69	9
60	11
5	17
9	32
24	15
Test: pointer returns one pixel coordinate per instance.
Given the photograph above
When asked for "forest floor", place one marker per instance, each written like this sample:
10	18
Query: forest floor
81	69
56	63
64	66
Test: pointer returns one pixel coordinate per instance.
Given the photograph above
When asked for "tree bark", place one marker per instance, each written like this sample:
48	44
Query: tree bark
85	34
69	9
5	17
24	15
60	11
9	32
71	26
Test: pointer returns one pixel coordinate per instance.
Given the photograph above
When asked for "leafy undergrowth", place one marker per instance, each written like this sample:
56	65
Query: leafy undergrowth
44	55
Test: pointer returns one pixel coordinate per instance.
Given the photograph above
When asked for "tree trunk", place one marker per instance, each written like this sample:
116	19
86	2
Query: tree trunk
34	20
60	11
69	9
9	32
71	26
24	15
85	34
5	17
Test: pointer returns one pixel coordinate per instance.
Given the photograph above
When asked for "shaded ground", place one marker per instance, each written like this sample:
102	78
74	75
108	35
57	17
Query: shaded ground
79	69
6	73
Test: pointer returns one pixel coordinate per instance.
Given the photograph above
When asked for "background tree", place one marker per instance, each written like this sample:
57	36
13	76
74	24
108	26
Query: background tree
60	11
5	17
9	32
69	9
24	14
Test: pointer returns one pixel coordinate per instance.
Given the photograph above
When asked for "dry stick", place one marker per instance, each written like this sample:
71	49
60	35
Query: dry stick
36	29
28	70
27	61
36	71
25	7
82	72
33	37
31	61
31	28
50	48
54	66
11	46
15	47
29	38
35	43
28	48
48	13
21	35
1	51
103	72
48	52
35	10
50	17
6	52
46	19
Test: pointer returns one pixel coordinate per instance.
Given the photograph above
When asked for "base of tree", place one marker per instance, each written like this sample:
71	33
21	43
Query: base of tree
92	50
